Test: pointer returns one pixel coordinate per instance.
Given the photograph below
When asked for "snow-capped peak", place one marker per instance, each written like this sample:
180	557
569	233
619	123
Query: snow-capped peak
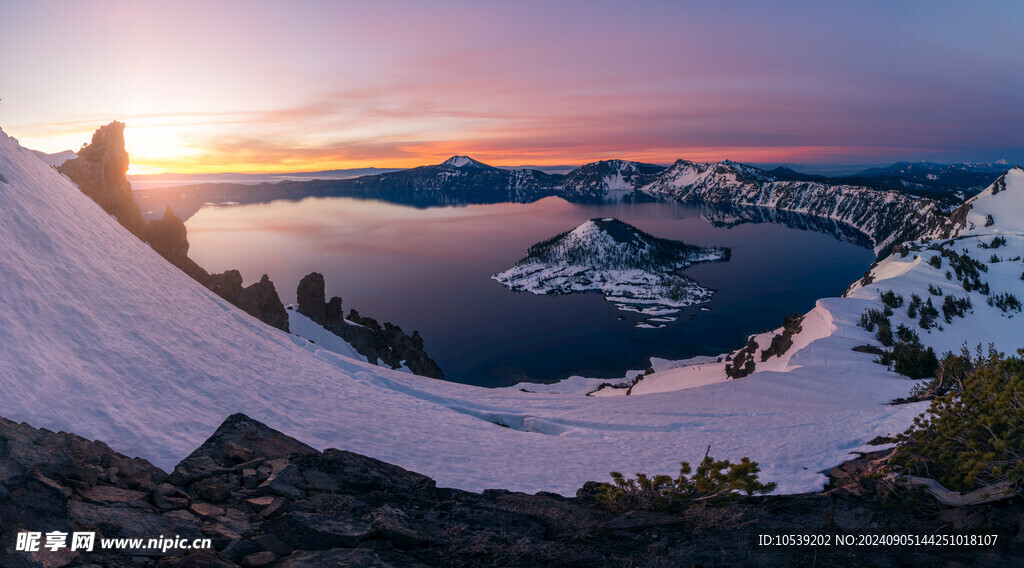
463	161
999	208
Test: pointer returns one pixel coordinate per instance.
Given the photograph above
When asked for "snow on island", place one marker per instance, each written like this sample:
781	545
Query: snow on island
636	271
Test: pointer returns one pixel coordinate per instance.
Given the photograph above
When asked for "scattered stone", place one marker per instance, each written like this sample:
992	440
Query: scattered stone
109	494
249	478
238	453
310	531
273	544
282	482
394	525
260	502
275	508
206	511
638	520
355	558
257	559
169	497
214	490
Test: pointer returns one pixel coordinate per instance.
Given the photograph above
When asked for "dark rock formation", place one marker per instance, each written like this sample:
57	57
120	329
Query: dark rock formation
100	172
742	363
169	238
387	343
265	499
311	297
259	300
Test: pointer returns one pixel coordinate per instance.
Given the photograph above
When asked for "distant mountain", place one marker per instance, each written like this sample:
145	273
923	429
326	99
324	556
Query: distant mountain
782	173
947	184
607	180
459	179
886	217
636	271
56	159
924	168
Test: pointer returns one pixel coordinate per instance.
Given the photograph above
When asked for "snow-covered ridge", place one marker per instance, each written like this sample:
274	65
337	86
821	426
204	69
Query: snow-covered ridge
634	270
887	217
999	208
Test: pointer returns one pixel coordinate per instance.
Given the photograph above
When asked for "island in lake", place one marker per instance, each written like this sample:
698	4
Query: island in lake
636	271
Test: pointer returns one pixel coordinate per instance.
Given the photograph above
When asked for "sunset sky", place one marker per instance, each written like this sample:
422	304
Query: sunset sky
260	86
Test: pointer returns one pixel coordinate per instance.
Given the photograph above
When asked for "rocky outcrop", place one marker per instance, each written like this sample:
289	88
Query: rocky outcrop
261	498
310	297
169	238
100	171
259	300
386	343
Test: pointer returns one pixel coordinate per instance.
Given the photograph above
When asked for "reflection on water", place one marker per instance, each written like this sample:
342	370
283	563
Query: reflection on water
429	269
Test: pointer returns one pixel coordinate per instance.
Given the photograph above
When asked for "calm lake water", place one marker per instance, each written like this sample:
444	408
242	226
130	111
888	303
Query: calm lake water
429	270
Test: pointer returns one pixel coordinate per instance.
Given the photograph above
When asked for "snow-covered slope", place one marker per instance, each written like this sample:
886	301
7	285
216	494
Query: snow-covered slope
887	217
306	328
994	210
100	336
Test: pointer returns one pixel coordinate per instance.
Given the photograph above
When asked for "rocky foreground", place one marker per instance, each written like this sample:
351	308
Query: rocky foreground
265	499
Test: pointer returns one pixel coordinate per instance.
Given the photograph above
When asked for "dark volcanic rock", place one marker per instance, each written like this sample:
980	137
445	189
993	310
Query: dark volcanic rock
350	510
311	299
259	300
310	531
334	310
100	171
168	236
240	435
387	343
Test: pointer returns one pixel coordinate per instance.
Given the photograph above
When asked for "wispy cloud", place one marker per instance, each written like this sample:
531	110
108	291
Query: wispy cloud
331	85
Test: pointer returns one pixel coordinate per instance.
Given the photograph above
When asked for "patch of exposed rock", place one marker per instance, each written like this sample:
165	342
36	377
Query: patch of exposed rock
387	342
100	171
169	238
259	299
266	499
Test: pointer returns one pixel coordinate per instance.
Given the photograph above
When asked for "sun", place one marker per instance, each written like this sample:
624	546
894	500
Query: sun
156	149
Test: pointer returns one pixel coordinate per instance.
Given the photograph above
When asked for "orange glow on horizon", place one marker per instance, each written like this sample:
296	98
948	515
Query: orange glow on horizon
214	164
156	147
